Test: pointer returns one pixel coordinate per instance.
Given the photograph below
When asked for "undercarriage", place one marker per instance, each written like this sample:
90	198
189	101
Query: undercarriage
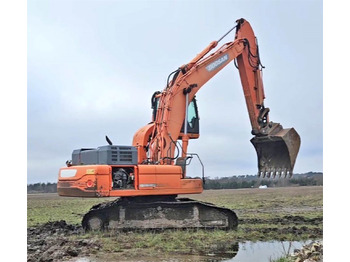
158	212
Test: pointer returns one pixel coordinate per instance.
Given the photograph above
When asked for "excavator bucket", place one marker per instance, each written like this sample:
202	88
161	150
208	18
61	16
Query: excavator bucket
277	152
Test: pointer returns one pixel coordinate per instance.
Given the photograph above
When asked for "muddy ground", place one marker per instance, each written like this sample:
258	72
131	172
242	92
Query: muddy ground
59	241
53	242
283	214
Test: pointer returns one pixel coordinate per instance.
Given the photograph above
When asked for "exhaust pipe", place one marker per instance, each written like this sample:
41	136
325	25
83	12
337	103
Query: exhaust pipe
277	151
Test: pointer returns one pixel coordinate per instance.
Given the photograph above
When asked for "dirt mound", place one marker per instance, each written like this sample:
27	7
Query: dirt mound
55	227
58	241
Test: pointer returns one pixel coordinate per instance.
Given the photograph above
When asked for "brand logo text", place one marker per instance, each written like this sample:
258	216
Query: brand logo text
217	63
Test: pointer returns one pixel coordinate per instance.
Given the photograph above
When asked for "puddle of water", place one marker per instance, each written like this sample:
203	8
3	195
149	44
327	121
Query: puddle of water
265	251
242	252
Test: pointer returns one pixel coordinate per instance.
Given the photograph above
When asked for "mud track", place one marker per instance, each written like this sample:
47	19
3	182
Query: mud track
298	225
285	220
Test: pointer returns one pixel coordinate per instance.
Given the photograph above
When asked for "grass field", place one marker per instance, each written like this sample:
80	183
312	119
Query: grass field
286	214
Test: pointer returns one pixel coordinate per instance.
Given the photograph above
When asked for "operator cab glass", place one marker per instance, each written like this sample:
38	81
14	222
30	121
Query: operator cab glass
192	120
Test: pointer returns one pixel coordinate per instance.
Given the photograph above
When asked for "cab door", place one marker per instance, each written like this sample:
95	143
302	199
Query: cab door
192	121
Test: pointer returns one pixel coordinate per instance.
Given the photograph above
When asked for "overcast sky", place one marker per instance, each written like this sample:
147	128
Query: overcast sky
93	65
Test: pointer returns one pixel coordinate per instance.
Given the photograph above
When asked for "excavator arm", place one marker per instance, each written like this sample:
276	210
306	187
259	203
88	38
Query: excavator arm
276	147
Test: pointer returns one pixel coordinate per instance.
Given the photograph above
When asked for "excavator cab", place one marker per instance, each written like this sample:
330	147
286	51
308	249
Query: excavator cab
192	120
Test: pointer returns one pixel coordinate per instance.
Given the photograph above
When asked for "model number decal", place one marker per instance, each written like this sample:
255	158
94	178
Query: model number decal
148	185
218	62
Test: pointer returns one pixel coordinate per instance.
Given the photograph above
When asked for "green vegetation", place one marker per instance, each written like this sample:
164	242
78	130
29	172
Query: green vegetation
169	241
283	259
42	208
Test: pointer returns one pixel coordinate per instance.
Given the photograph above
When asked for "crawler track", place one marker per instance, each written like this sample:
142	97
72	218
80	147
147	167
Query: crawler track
158	213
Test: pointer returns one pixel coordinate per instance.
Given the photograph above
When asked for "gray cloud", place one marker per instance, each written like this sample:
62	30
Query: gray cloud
93	66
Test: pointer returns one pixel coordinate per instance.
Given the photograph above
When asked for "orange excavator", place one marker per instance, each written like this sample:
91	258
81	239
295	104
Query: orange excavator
148	176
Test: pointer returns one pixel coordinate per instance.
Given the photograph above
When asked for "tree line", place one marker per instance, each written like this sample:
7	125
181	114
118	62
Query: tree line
42	188
251	181
233	182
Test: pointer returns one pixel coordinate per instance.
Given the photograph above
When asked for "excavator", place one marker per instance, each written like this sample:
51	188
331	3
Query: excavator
148	176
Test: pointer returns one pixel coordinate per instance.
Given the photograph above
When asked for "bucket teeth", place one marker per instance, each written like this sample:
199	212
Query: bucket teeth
275	173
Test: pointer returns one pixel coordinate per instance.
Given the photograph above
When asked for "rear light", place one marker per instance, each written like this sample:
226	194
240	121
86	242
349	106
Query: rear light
89	183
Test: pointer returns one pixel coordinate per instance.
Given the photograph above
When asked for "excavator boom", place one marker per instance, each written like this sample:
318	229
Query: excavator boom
276	147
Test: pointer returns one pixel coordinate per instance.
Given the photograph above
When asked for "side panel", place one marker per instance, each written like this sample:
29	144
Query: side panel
96	181
169	178
159	177
103	182
146	177
84	181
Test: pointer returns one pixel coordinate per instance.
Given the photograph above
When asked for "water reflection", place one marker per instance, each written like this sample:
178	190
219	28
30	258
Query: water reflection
226	253
264	251
237	252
